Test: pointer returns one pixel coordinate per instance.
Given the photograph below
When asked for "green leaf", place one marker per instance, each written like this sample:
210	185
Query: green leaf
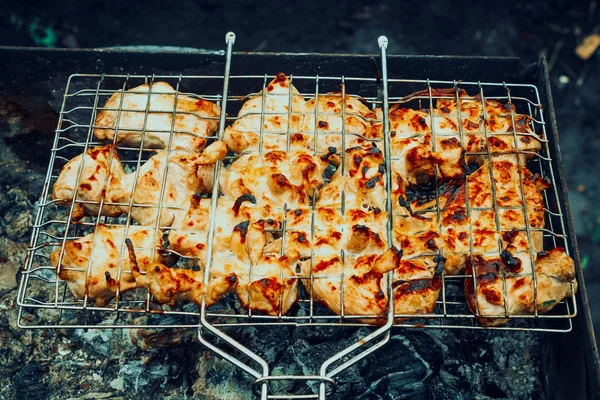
585	261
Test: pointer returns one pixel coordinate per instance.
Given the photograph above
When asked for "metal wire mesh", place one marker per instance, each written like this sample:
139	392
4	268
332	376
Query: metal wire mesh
46	300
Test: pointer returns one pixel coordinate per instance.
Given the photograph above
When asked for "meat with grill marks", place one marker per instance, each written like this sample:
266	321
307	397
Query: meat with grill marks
101	257
170	285
267	282
424	139
355	225
101	180
478	229
104	181
274	177
192	120
189	233
355	222
505	285
186	174
288	117
415	285
283	106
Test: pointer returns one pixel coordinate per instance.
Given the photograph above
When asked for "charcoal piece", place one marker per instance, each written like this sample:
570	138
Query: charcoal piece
16	173
12	353
440	390
269	341
316	334
102	342
15	209
310	358
145	378
31	382
398	372
286	366
220	379
396	385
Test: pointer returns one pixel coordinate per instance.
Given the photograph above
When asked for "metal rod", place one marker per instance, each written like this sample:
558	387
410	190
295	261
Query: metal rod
523	203
230	40
494	198
385	329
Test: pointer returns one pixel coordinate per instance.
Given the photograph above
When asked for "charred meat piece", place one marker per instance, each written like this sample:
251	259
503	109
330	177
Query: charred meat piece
189	233
335	114
101	180
170	285
356	231
92	264
267	282
449	137
362	181
283	107
104	181
186	174
555	280
478	228
363	279
416	286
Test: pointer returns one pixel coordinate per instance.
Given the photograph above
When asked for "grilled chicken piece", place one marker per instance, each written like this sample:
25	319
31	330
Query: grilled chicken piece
96	184
356	231
362	181
361	227
283	103
267	282
189	234
336	114
269	287
188	173
418	146
555	280
359	232
100	253
418	232
365	289
414	152
170	285
195	119
416	286
274	177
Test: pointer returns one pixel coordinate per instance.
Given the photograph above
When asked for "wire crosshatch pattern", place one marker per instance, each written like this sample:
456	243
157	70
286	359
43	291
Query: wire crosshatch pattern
45	300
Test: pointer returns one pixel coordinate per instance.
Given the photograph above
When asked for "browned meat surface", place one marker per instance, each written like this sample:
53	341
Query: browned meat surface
424	139
517	294
288	115
104	181
477	229
274	177
192	119
102	258
170	285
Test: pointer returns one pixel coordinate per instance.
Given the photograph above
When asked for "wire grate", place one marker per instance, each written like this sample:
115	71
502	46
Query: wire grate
45	300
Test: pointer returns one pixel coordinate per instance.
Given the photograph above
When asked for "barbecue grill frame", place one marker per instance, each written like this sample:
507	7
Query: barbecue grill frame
31	75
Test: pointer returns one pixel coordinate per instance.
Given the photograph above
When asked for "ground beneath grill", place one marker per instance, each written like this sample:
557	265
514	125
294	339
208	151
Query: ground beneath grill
49	364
